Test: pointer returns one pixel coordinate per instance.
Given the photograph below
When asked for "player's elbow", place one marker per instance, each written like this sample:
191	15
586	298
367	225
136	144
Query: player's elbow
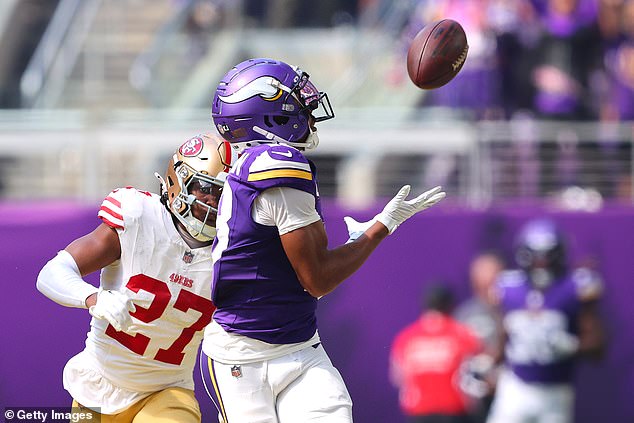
44	281
319	277
315	285
315	291
40	282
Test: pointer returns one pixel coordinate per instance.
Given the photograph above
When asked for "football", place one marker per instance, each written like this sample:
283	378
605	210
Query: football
437	54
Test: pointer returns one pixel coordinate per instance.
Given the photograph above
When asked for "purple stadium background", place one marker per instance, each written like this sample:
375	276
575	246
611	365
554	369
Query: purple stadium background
357	321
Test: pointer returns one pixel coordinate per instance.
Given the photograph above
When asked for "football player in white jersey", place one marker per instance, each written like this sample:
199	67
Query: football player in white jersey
264	358
153	302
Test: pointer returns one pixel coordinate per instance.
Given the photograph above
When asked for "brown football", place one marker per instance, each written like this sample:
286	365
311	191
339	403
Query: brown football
437	54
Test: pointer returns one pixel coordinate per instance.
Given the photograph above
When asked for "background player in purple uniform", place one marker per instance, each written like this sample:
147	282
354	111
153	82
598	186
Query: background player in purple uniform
550	319
271	257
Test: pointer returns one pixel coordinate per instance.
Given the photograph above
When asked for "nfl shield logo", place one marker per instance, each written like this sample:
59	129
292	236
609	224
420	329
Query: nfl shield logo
236	371
188	257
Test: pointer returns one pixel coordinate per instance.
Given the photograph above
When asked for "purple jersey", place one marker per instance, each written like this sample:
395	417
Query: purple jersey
535	321
255	289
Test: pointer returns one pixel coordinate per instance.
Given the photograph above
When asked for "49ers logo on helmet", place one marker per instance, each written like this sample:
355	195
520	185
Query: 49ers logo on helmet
192	147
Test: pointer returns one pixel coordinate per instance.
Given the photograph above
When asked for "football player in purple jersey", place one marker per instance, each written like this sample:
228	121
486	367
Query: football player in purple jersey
263	354
550	318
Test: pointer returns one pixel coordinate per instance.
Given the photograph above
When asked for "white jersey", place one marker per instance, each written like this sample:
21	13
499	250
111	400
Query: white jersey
170	285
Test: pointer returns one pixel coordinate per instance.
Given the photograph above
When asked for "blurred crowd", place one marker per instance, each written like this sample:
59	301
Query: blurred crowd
552	59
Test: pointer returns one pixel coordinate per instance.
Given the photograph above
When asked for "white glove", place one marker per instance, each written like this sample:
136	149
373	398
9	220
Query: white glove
356	229
114	307
398	210
477	375
563	344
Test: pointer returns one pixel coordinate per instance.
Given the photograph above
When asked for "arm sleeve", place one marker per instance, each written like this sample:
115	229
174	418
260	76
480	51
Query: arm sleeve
284	207
60	280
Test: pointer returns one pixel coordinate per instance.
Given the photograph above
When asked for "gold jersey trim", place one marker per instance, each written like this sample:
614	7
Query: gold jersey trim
280	173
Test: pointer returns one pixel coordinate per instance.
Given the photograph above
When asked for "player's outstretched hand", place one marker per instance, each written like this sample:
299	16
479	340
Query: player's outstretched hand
114	307
563	344
356	229
398	210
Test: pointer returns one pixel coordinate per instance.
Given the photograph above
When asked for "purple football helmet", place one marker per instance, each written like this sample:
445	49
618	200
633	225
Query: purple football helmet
268	101
541	252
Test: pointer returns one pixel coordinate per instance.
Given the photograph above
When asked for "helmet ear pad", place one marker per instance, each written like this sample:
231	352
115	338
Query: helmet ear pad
300	124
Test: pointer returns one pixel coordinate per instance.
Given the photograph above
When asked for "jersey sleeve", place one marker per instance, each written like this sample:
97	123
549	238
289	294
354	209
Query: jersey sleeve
110	211
588	284
120	206
286	208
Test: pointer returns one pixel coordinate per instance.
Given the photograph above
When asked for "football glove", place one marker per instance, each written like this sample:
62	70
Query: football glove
398	210
114	307
477	375
563	344
356	229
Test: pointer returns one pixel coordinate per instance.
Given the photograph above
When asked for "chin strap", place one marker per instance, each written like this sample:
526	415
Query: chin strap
198	230
192	239
195	228
268	135
311	142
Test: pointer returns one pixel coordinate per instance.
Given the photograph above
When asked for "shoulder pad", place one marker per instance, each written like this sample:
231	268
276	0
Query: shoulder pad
279	161
272	166
588	284
120	204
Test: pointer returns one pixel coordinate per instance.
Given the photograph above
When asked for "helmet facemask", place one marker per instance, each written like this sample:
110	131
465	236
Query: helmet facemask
312	100
315	104
183	204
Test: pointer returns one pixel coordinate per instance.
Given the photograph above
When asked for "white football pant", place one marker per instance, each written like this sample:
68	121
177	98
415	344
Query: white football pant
520	402
302	386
